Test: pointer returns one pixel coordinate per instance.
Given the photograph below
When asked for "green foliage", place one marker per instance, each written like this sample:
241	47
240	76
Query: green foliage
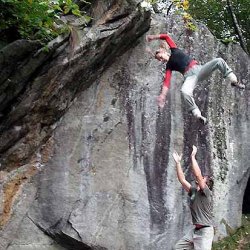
216	16
152	1
182	8
34	19
239	239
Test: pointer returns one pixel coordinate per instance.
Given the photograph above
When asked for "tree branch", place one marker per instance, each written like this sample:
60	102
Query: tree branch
236	26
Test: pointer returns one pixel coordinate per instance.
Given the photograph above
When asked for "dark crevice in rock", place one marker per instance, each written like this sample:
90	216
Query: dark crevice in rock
156	174
66	241
117	17
111	28
246	197
71	226
143	124
127	107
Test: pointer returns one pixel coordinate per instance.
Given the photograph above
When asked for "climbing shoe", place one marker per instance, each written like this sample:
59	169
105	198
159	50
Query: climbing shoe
238	85
203	120
232	77
234	82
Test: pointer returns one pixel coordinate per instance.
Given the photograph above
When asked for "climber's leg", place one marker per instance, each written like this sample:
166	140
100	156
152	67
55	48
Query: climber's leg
203	238
185	243
218	63
187	94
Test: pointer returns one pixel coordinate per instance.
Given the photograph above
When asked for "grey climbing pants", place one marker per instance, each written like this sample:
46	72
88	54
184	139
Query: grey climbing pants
200	239
199	73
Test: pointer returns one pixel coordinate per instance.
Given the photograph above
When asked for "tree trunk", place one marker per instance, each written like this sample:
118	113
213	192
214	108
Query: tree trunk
236	26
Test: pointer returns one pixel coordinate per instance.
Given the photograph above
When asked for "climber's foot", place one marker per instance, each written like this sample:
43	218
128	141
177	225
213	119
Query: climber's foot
238	85
234	81
203	120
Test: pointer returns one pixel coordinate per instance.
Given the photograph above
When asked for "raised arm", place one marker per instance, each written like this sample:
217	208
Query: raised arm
181	177
166	84
196	169
162	55
165	37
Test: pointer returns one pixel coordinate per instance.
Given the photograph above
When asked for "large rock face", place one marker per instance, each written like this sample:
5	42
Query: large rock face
105	178
38	86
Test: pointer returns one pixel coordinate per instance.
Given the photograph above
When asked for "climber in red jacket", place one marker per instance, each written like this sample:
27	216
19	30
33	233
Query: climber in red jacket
191	70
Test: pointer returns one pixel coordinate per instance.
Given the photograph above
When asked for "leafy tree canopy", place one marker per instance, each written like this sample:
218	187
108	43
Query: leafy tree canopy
218	17
34	19
229	20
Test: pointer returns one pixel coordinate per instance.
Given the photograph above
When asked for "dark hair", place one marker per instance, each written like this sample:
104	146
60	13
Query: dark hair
210	182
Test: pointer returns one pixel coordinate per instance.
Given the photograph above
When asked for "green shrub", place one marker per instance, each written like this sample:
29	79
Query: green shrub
34	19
238	239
